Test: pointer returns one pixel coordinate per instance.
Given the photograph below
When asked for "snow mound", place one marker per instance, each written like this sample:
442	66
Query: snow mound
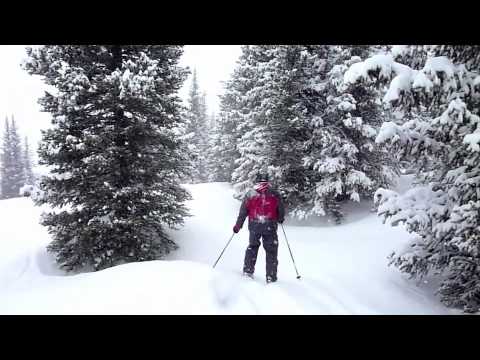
344	269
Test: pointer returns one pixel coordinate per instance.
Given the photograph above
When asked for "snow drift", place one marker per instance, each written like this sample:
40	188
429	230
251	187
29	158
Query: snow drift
344	269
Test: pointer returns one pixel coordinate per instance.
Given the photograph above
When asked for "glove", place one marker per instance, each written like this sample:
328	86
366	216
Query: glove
236	229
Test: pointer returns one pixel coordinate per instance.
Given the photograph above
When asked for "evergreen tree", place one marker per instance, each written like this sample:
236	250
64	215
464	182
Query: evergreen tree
276	121
17	176
211	121
12	173
303	125
114	151
196	132
212	159
436	92
231	124
27	163
343	162
5	169
220	165
203	134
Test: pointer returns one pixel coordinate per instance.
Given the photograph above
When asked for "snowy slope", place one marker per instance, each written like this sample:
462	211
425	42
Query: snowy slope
344	269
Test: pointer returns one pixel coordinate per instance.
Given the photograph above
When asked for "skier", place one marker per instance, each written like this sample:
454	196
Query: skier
264	208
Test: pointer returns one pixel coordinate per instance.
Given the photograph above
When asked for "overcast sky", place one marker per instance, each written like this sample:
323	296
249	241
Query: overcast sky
20	91
214	64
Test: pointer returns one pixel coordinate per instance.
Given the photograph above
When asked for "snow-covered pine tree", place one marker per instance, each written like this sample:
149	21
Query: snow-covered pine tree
437	91
203	140
231	124
12	173
342	160
274	131
28	164
311	132
17	175
212	161
222	150
196	132
113	149
211	121
5	164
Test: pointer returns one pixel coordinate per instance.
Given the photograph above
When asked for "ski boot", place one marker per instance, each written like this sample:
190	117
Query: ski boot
271	279
249	275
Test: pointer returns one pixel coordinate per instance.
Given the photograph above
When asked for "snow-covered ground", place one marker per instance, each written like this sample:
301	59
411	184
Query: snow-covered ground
344	269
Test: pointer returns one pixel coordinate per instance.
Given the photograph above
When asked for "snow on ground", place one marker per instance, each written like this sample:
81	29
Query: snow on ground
344	269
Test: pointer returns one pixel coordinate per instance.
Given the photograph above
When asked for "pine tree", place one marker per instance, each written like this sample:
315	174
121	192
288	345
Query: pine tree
196	132
435	90
114	151
299	122
203	134
17	175
6	163
12	161
343	162
212	159
277	121
212	121
231	124
27	163
220	165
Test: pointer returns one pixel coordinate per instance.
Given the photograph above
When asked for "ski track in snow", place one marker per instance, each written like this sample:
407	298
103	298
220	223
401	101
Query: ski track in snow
344	268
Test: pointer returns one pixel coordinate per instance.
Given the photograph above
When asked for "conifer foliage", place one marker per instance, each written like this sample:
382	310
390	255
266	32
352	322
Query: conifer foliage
113	150
436	91
197	133
288	112
13	170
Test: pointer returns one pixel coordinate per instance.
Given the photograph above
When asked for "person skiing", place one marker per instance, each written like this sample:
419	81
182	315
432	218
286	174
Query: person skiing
265	209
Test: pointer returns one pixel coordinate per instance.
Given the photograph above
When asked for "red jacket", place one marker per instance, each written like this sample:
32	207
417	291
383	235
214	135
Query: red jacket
264	210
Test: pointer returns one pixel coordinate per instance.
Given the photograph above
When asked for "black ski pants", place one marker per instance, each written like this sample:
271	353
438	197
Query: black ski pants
270	244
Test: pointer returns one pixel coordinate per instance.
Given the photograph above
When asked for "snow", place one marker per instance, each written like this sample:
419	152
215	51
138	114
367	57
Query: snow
399	50
330	165
70	139
400	83
126	75
369	131
439	64
382	62
388	131
346	106
417	206
476	81
358	178
403	77
26	189
344	268
354	73
473	141
420	80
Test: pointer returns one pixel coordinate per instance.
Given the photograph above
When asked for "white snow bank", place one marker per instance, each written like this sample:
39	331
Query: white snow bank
344	269
155	287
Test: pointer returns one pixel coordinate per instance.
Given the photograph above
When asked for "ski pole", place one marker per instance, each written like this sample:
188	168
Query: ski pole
298	275
224	250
